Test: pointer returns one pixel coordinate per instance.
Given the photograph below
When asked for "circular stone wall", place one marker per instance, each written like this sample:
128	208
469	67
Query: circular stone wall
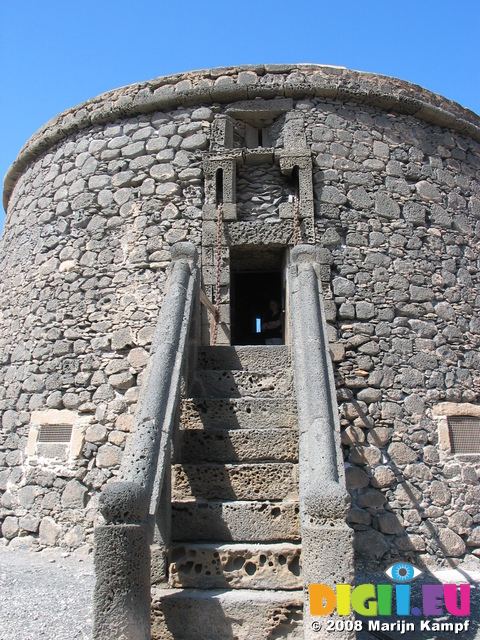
96	199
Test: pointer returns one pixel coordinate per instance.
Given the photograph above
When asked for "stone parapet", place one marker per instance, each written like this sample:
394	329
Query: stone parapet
232	84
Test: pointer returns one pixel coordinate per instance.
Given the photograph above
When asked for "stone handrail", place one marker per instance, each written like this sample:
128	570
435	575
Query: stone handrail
122	545
327	549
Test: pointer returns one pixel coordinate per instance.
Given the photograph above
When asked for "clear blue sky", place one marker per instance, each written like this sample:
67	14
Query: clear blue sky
55	54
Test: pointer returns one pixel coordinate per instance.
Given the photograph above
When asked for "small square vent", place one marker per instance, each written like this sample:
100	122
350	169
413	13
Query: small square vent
464	434
55	433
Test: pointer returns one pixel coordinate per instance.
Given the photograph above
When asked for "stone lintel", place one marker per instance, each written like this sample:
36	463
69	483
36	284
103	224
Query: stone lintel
260	112
229	211
261	155
456	409
54	416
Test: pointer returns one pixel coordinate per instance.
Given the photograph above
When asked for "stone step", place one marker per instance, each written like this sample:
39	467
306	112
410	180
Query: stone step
236	566
260	481
255	358
239	521
238	413
243	614
235	384
235	445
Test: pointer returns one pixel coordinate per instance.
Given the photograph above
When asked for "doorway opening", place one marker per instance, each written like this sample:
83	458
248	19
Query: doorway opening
257	277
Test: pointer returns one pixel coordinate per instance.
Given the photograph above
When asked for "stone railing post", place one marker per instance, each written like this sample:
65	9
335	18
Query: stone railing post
327	541
122	545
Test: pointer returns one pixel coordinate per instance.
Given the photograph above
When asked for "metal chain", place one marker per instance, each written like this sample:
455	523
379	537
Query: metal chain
296	221
219	268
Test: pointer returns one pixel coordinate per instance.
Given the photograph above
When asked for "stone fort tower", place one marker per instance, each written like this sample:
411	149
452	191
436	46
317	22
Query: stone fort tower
187	194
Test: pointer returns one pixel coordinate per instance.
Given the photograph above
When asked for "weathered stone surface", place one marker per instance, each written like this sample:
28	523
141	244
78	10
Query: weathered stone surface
275	566
10	527
356	478
364	310
370	498
74	495
123	380
401	453
343	287
365	455
390	523
246	614
96	434
353	435
371	543
440	493
121	339
27	495
379	436
451	543
271	481
248	521
461	523
138	358
410	542
385	206
29	523
359	517
108	455
49	532
383	477
473	539
428	191
74	537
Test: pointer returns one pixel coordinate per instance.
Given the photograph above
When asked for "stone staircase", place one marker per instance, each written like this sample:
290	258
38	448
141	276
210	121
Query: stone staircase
234	563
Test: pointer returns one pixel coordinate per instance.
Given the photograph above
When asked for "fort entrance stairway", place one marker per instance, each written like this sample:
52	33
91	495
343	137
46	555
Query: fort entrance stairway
234	565
205	544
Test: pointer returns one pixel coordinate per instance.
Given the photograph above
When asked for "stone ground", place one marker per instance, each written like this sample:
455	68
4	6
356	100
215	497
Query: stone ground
44	595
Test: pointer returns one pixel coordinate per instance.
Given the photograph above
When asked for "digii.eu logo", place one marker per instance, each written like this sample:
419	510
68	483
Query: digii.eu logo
384	599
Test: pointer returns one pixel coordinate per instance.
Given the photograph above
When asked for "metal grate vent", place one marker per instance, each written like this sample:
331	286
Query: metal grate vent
55	433
464	434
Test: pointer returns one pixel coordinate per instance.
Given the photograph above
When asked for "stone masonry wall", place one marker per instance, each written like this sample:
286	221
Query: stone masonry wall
398	207
85	251
85	255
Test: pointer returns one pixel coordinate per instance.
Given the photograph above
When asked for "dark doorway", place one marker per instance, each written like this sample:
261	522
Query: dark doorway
256	279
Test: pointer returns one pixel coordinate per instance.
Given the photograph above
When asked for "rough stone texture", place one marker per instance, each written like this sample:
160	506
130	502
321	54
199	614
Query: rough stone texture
249	521
242	614
74	495
371	543
275	566
272	481
122	587
98	196
233	413
49	532
230	445
452	543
